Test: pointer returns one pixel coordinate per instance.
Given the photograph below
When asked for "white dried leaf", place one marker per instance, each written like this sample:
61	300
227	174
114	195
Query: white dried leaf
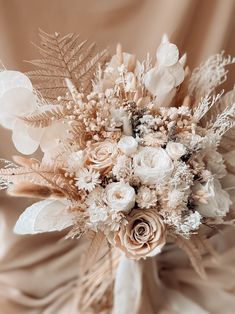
159	81
16	97
167	54
44	216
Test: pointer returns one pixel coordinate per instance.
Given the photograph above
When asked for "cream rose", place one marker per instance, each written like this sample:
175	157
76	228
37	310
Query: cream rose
152	165
128	145
215	163
175	150
120	196
143	236
101	155
217	200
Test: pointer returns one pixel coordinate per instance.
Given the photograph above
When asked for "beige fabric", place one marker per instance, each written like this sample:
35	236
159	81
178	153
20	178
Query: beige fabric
38	273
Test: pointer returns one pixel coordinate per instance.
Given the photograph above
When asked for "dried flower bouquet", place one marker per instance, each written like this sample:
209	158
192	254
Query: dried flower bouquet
134	153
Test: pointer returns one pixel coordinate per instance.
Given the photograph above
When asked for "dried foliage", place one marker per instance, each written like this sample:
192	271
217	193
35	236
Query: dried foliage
130	158
46	117
64	57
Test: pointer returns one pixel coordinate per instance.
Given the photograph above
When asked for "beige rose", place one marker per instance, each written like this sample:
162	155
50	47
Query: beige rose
144	235
101	155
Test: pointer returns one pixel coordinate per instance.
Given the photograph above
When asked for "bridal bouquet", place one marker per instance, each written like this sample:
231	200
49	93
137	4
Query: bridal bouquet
134	155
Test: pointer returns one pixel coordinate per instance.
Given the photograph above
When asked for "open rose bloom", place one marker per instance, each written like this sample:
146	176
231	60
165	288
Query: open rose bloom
128	156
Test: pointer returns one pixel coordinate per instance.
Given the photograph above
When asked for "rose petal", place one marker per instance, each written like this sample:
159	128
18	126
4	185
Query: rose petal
167	54
44	216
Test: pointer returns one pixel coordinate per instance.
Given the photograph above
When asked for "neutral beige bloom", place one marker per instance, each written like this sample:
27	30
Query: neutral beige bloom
143	236
152	165
101	155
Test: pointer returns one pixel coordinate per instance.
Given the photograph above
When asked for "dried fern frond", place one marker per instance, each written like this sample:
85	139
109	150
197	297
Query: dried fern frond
42	175
190	248
209	75
46	117
79	135
64	57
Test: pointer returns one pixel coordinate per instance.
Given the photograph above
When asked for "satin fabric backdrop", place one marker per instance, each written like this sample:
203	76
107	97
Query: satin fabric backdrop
38	274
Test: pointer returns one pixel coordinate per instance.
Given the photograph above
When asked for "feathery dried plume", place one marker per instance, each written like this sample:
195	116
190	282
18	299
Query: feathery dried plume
209	75
205	105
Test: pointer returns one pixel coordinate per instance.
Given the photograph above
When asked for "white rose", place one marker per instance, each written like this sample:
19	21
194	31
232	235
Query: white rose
175	150
152	165
215	163
217	200
120	196
128	145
